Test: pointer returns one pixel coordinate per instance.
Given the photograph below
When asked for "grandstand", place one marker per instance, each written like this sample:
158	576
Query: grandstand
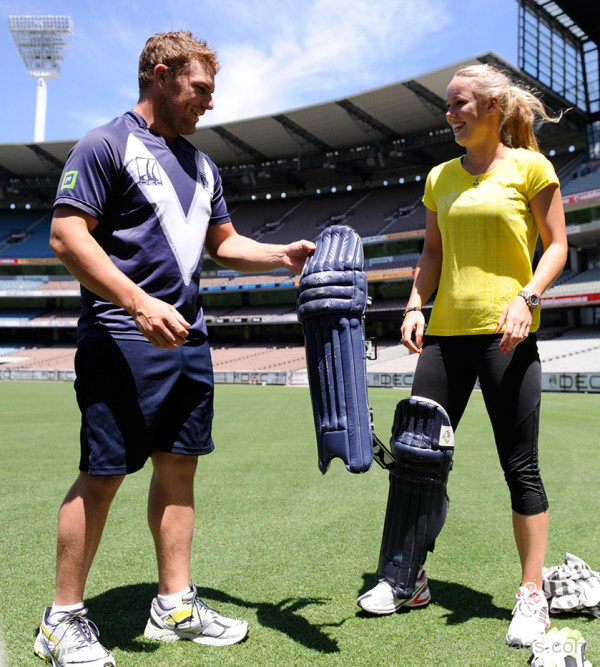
359	161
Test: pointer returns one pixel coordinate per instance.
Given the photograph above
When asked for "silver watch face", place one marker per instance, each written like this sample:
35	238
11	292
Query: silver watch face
531	298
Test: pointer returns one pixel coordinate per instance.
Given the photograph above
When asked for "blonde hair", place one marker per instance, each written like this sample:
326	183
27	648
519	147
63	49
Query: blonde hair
519	108
176	50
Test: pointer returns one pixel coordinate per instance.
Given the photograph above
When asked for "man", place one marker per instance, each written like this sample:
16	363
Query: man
136	206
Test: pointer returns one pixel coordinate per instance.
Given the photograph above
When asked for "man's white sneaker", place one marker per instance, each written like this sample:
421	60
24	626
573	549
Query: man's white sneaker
71	642
530	617
192	619
382	600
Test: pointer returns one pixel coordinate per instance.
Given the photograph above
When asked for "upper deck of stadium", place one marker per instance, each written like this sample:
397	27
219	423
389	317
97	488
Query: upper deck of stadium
390	134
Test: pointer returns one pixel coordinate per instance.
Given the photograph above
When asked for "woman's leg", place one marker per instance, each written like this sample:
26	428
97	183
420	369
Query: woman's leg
440	378
511	385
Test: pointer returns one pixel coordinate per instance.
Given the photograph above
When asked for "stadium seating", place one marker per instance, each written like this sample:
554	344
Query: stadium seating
585	178
367	211
43	284
577	350
49	358
258	358
372	214
412	218
22	284
577	283
14	314
24	234
6	350
43	305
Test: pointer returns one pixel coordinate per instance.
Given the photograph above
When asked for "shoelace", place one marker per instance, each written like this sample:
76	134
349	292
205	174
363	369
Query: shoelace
205	613
85	631
527	605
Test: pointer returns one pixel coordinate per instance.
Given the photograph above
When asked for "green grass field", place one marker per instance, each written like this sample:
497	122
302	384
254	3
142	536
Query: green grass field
286	548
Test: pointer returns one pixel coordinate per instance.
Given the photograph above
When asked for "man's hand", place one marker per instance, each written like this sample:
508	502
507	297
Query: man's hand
161	323
295	254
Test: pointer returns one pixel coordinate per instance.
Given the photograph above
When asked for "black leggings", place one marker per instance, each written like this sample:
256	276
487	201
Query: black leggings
511	386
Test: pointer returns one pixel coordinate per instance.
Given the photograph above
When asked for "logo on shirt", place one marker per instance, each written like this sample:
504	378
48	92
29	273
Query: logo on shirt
184	232
203	180
69	180
148	171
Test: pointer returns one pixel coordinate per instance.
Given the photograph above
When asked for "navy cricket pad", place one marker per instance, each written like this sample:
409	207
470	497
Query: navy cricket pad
331	302
423	447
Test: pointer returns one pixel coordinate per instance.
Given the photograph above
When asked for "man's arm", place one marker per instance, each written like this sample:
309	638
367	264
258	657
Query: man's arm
72	242
241	253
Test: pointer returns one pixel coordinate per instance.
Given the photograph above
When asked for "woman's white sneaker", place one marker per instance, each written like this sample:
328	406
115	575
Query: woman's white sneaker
382	600
530	616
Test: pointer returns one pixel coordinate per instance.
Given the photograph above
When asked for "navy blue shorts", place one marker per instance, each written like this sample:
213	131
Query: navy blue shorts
136	399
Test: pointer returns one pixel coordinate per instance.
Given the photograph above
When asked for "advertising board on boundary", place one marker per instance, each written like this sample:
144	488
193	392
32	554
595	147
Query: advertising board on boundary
582	383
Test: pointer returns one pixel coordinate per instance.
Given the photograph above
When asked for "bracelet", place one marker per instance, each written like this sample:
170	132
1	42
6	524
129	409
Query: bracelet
410	310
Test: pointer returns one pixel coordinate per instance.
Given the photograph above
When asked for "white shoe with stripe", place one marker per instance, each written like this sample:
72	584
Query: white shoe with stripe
382	600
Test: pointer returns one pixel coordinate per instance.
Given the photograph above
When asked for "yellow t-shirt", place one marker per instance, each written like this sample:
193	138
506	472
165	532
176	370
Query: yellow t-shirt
488	239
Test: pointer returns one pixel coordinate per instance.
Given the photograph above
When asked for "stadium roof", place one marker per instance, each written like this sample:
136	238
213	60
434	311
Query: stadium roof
383	134
579	18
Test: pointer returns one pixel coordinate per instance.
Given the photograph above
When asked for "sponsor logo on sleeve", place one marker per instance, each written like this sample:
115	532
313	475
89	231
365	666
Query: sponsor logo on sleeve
69	180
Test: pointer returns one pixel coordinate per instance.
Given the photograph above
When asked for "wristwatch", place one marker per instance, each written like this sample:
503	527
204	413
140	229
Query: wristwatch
531	298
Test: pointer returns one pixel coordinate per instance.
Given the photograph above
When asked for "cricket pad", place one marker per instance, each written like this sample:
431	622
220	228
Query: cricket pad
422	445
331	303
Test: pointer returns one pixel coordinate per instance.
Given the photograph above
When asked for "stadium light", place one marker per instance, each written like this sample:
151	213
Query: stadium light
42	42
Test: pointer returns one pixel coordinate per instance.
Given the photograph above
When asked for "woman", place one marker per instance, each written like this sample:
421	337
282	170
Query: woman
485	212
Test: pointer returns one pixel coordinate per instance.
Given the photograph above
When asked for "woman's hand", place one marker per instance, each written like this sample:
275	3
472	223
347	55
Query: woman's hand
516	321
412	328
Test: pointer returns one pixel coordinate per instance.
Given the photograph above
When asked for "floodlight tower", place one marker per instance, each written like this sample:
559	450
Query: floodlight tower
42	42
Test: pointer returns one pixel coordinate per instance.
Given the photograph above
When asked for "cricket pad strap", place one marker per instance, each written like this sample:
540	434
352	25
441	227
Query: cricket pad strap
331	302
422	444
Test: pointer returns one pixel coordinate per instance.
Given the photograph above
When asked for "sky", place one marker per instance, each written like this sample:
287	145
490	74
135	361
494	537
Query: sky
275	55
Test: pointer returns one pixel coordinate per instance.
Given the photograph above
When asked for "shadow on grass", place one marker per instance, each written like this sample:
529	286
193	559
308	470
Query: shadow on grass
121	614
282	616
463	603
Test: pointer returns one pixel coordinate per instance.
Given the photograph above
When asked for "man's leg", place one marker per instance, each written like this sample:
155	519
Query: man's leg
177	612
81	520
185	425
171	518
65	629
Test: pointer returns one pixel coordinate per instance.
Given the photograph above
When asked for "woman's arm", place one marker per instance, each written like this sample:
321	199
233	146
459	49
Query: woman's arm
549	217
427	277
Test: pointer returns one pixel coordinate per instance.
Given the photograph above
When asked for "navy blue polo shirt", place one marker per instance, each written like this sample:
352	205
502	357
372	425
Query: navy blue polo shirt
154	203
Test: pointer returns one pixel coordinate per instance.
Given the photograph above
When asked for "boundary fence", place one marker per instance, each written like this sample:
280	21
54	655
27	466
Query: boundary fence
582	383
